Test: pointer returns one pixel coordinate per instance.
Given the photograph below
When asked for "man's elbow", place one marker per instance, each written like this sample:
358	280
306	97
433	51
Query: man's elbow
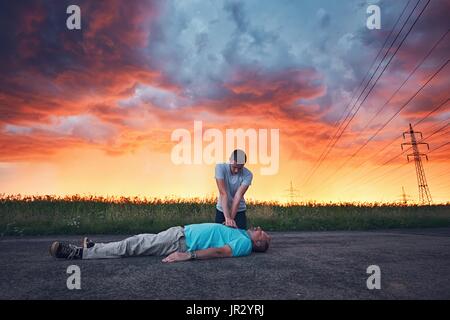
223	194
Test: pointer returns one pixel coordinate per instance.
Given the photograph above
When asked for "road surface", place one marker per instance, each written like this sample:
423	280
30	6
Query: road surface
414	264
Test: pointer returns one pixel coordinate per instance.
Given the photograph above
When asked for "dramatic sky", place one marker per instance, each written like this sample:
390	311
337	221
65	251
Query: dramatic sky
92	111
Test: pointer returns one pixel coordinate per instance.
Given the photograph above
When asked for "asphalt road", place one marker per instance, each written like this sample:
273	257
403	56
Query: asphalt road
414	264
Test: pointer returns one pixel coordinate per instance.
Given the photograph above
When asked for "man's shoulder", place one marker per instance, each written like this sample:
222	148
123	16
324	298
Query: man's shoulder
234	231
241	245
247	175
247	172
221	171
240	233
221	165
209	225
200	225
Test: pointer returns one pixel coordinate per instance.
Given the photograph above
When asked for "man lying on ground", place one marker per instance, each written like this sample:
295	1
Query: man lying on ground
195	241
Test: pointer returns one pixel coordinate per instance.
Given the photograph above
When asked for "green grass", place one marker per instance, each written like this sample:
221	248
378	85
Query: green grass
46	215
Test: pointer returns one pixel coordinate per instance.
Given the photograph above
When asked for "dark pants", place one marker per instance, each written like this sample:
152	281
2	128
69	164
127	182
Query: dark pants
240	219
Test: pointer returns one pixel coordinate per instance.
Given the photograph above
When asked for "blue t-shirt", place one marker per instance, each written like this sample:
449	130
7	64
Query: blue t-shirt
232	182
215	235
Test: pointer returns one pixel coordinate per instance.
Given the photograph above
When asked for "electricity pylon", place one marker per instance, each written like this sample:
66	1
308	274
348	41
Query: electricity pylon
292	193
424	192
404	197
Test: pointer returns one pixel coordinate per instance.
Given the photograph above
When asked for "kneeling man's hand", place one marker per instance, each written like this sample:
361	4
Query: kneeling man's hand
177	256
230	223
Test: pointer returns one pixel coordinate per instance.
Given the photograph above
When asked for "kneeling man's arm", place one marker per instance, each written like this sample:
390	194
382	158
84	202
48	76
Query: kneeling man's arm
222	252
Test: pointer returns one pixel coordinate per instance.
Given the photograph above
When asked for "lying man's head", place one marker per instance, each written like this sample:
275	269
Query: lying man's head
260	239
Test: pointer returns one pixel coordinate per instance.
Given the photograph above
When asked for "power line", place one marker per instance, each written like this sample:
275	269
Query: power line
404	151
391	159
406	80
395	139
385	67
389	120
373	63
319	161
406	163
379	76
432	177
378	179
422	184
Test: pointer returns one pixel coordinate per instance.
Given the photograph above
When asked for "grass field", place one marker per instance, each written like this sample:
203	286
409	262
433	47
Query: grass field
43	215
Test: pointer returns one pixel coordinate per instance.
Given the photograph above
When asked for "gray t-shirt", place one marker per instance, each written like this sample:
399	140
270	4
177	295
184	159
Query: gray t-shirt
233	182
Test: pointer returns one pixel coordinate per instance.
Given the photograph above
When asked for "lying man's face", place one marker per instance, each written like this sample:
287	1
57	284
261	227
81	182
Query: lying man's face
258	234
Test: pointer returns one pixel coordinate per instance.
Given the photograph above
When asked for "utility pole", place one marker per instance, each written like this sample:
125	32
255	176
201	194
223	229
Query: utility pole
292	193
424	192
405	197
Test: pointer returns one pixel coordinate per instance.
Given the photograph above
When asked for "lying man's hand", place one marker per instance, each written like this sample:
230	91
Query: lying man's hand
177	256
230	223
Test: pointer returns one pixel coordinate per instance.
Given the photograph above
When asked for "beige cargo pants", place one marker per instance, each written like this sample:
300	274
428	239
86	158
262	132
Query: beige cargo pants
161	244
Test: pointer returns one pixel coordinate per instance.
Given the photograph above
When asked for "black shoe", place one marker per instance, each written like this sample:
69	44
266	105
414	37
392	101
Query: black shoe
65	251
87	243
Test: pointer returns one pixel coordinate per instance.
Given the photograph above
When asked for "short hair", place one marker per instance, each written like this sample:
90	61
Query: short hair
239	156
260	245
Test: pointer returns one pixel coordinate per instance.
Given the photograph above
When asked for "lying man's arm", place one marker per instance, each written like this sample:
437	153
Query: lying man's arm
222	252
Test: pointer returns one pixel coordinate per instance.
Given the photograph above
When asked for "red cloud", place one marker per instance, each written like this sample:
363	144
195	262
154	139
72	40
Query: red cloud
104	65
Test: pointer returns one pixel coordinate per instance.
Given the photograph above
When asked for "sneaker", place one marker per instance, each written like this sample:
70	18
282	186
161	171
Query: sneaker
65	251
87	243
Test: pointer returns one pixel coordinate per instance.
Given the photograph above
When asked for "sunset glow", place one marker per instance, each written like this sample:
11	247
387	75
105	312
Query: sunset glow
92	111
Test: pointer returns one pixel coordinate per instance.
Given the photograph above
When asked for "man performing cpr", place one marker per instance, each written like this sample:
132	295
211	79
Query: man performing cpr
233	180
195	241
